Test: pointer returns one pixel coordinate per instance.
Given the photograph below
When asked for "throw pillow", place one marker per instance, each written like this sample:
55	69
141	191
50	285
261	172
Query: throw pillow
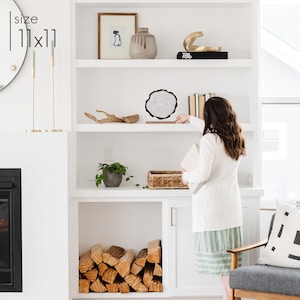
283	247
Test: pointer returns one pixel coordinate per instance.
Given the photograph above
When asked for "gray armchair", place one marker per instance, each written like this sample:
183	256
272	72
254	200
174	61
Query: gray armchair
263	282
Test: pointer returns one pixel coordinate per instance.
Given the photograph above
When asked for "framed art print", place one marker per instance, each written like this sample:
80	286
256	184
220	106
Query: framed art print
114	34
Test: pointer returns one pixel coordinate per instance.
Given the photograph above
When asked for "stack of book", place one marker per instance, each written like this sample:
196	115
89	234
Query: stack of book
202	55
196	104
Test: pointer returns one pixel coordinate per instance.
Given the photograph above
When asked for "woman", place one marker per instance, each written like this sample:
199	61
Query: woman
216	206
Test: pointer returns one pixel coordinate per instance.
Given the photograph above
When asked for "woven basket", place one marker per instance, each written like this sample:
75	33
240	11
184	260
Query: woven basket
165	180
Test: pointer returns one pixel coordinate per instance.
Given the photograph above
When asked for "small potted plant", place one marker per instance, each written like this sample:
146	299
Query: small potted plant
111	174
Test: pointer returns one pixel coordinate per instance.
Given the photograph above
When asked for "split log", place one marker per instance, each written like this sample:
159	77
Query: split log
112	255
124	287
91	275
141	258
148	274
156	286
124	264
96	253
102	267
136	283
84	285
157	270
132	280
109	275
112	287
98	287
141	288
154	251
85	262
135	269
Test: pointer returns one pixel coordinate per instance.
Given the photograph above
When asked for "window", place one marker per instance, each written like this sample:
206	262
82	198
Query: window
274	140
280	98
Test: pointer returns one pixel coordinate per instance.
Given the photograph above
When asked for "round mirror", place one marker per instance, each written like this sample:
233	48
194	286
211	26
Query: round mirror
13	41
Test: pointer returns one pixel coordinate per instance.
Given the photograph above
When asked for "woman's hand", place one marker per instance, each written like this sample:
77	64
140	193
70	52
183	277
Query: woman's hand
181	119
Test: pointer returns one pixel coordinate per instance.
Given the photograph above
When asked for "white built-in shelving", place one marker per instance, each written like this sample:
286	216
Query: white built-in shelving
121	87
116	127
164	63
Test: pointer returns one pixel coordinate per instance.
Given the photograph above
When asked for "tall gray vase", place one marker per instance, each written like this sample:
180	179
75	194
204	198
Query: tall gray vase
143	45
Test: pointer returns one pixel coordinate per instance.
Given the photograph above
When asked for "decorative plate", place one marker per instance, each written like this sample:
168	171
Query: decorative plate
161	104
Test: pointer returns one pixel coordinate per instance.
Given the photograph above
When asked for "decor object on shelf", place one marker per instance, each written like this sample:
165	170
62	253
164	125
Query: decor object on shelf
112	118
203	55
165	180
160	122
161	104
118	270
189	45
196	104
143	45
112	174
54	129
33	95
114	33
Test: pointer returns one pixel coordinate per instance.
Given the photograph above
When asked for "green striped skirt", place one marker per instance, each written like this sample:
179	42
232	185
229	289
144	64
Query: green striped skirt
210	252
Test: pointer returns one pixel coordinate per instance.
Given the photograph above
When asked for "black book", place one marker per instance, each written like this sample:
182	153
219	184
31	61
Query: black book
202	55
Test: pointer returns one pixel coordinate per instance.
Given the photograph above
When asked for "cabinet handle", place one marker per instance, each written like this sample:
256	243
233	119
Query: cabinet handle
173	216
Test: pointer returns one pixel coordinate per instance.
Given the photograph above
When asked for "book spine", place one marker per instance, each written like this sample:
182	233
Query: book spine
201	106
192	105
209	95
197	104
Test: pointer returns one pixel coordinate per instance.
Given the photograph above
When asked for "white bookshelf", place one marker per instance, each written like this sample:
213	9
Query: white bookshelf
121	87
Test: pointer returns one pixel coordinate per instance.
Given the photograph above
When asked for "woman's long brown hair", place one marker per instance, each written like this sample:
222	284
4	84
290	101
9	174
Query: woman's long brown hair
220	118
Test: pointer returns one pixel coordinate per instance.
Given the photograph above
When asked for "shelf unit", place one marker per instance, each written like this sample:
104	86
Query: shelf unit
164	63
111	127
121	87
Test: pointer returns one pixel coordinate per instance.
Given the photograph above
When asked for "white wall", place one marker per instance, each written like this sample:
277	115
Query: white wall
41	156
16	99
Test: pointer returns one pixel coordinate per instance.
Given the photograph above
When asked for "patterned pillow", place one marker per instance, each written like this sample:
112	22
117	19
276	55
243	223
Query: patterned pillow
283	248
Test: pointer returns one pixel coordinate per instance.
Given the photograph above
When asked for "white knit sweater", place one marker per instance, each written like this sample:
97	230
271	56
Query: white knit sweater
217	205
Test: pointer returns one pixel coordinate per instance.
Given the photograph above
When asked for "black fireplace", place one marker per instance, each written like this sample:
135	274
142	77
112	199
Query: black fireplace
10	231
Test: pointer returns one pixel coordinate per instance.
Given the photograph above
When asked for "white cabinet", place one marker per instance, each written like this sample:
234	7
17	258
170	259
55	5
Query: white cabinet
130	218
183	280
121	87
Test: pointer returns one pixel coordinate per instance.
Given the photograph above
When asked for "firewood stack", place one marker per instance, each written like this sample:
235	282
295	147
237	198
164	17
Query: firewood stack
117	270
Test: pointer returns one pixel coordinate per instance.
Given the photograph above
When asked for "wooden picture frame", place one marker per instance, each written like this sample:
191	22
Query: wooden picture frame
114	34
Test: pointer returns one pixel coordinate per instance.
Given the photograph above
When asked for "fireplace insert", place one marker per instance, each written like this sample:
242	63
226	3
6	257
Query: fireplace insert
10	231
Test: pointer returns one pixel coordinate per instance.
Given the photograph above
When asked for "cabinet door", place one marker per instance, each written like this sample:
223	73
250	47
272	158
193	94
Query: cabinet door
182	279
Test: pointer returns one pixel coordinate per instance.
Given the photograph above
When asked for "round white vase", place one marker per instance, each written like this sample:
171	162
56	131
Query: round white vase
143	45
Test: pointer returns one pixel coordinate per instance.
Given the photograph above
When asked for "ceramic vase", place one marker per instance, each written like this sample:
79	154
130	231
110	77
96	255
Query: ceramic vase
143	45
